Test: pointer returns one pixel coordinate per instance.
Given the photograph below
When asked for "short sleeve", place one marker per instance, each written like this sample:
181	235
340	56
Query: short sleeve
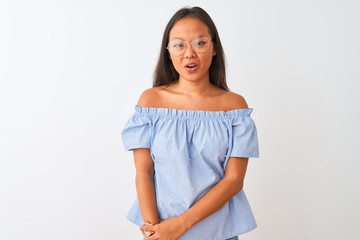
244	138
136	132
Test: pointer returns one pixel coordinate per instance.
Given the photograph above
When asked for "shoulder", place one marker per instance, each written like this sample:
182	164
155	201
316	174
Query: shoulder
233	101
149	97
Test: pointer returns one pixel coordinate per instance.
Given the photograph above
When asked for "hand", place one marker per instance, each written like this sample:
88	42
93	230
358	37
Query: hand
168	229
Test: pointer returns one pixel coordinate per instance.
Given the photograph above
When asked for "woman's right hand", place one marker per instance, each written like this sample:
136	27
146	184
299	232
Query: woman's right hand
168	229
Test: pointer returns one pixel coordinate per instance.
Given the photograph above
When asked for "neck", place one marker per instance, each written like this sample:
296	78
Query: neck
192	88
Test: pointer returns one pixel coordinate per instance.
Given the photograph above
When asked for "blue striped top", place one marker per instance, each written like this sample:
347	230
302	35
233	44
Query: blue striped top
190	150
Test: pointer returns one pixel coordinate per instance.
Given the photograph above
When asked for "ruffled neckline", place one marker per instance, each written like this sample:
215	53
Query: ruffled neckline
241	112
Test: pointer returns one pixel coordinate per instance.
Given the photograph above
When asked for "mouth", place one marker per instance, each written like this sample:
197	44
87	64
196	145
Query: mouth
191	66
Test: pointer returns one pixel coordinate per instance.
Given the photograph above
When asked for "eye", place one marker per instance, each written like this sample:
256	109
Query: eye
200	43
179	45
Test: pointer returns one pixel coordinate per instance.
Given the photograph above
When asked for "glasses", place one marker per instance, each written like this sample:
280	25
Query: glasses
199	44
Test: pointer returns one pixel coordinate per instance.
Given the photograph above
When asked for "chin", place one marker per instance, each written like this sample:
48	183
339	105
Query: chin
193	77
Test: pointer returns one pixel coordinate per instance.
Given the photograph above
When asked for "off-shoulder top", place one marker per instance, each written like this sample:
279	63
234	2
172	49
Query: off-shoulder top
190	150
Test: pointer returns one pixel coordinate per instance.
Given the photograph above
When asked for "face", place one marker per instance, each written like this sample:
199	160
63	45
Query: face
186	29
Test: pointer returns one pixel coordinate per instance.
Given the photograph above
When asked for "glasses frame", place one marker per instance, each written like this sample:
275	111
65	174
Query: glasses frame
191	43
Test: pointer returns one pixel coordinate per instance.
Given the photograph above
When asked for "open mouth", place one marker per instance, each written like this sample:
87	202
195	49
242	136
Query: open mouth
191	66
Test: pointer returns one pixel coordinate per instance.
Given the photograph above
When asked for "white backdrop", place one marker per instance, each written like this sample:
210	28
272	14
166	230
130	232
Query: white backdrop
71	72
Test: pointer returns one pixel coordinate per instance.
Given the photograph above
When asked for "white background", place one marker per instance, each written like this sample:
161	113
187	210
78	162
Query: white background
71	72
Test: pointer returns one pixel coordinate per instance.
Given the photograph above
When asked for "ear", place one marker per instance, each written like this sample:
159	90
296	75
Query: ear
214	53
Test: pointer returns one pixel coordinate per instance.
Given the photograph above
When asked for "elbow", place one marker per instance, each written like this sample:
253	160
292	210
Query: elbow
236	182
239	186
144	176
145	172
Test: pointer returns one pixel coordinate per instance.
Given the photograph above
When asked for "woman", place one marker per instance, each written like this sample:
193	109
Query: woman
191	139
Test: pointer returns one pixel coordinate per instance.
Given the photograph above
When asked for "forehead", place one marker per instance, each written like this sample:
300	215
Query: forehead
188	27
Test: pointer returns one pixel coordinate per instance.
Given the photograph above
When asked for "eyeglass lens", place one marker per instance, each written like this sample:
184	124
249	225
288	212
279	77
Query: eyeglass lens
200	44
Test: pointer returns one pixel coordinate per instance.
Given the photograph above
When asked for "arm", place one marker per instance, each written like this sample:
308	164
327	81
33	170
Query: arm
145	185
221	193
213	200
145	171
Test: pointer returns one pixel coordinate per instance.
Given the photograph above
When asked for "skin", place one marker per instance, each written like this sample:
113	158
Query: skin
193	91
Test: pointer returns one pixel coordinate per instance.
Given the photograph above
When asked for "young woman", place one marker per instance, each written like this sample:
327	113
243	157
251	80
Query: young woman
191	139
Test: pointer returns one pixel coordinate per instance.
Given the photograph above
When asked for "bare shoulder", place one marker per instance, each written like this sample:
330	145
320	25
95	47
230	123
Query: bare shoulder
149	97
233	101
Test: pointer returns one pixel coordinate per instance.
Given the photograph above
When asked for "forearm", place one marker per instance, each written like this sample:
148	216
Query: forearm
146	197
212	201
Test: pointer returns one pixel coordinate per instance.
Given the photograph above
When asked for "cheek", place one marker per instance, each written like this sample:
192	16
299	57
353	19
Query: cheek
207	60
176	63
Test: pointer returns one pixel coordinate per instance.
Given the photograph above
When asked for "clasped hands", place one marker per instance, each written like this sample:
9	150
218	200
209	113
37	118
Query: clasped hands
168	229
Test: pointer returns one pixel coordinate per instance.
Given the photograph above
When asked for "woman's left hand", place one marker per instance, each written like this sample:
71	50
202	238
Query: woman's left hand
168	229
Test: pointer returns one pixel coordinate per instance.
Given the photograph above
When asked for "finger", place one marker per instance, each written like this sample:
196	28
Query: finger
152	237
147	228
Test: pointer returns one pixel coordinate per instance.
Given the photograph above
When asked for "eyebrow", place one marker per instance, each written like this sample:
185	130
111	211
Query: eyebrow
201	35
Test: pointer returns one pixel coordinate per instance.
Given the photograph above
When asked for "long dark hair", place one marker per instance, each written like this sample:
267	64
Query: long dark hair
165	72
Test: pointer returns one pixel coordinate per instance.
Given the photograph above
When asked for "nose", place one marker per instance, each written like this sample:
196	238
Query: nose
189	51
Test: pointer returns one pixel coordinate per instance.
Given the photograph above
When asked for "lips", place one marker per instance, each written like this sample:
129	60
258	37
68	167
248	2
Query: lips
191	66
